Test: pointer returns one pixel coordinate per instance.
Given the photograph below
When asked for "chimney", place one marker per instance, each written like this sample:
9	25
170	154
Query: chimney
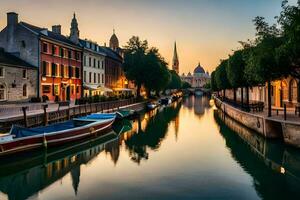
12	22
56	29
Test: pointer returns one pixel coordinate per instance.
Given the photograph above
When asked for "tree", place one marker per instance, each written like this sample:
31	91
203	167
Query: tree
288	53
175	82
221	77
213	83
235	71
145	66
134	61
185	85
158	75
261	64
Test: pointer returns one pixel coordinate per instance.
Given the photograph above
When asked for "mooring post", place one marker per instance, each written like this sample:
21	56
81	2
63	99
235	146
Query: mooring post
284	111
25	116
45	114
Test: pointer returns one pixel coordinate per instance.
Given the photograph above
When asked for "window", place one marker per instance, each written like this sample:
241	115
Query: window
284	88
98	64
54	50
77	72
70	71
1	72
94	62
102	64
24	73
24	90
77	55
62	52
84	76
44	68
77	89
54	69
102	78
90	77
46	89
98	77
90	61
2	92
66	72
69	54
94	77
45	47
294	95
56	89
84	60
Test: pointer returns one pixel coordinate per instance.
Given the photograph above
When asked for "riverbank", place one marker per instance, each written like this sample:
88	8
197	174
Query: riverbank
268	127
58	114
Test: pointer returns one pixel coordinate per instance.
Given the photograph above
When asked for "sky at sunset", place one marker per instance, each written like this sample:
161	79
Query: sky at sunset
205	30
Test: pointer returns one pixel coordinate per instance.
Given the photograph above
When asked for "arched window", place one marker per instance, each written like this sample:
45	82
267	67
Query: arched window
293	90
2	92
285	91
24	90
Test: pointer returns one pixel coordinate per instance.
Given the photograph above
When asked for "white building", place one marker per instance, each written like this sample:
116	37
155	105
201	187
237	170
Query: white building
198	79
93	68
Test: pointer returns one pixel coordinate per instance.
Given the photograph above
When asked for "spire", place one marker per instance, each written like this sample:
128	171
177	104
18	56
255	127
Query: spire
175	65
74	31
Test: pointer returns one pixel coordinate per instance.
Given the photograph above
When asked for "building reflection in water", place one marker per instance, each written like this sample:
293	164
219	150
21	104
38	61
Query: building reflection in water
197	104
275	168
33	173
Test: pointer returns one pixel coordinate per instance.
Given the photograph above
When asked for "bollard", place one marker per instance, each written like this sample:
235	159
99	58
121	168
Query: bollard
45	114
284	111
25	116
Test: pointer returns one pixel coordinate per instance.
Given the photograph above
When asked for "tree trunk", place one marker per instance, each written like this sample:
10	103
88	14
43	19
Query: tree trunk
234	95
242	97
138	90
269	99
247	97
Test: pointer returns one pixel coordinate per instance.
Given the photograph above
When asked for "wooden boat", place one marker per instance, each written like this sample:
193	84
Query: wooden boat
125	113
23	139
122	126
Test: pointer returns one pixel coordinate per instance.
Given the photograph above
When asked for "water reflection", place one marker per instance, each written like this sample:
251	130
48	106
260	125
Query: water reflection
184	151
35	172
275	168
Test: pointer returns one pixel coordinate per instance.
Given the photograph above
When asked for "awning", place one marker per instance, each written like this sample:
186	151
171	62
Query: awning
104	89
123	89
90	87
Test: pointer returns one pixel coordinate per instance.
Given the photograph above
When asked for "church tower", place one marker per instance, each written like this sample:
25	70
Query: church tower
175	65
74	35
114	42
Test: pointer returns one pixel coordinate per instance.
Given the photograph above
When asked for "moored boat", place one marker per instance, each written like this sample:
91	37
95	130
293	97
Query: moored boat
23	139
125	113
152	105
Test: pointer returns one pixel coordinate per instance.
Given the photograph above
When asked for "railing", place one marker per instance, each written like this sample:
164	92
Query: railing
65	113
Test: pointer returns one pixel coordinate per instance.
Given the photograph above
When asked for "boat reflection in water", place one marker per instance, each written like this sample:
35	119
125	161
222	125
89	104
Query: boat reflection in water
274	167
26	175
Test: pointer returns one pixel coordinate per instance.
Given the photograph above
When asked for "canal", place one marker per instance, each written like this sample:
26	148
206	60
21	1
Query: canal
186	151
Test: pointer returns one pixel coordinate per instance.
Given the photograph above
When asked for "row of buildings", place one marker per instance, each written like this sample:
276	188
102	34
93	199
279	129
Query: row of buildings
37	62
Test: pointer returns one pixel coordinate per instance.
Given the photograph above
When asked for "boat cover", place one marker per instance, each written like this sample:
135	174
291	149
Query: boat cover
25	132
99	116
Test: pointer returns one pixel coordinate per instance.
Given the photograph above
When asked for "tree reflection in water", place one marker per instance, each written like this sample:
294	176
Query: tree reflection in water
153	134
275	168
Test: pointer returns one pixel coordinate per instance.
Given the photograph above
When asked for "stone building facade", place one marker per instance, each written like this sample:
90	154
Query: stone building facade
198	79
18	79
56	57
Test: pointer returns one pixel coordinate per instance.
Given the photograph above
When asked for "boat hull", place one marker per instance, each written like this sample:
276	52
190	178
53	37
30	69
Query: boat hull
45	141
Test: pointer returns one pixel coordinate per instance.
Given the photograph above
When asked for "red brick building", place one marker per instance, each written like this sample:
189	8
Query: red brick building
61	70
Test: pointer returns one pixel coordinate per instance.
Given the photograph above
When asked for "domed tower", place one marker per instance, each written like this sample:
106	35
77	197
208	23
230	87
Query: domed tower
175	65
199	70
114	41
74	31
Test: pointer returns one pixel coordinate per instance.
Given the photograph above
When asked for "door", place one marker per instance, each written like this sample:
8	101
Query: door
68	93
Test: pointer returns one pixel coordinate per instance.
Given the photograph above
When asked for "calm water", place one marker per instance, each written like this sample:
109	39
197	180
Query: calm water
181	152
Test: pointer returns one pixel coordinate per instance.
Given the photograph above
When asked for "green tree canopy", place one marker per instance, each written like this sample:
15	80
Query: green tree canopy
213	83
175	82
235	69
185	85
221	76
